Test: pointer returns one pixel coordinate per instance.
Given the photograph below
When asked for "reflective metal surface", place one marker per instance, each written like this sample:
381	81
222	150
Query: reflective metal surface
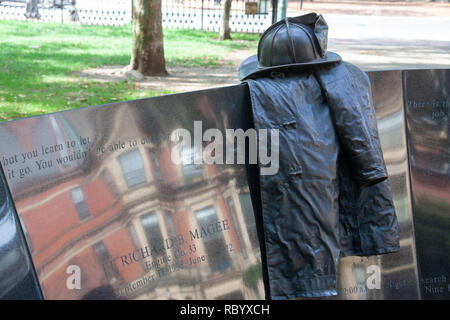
96	188
100	197
17	277
427	101
397	272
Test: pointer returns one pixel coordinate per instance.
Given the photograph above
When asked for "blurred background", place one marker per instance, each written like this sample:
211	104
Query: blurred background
64	54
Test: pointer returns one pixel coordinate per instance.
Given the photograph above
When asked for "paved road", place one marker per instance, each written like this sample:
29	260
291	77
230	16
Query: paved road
390	42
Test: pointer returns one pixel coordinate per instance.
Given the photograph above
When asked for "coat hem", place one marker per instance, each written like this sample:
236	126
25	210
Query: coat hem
307	288
370	252
309	294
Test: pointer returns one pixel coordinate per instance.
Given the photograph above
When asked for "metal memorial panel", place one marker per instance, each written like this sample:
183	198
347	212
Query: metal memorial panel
100	198
17	277
111	207
394	275
427	101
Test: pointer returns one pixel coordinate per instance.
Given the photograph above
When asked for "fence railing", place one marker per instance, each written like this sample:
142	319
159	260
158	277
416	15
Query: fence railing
253	16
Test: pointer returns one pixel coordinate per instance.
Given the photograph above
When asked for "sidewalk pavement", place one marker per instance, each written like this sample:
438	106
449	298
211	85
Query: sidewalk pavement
371	8
385	35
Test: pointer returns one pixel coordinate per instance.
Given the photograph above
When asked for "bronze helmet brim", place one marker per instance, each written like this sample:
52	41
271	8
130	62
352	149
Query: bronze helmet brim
250	68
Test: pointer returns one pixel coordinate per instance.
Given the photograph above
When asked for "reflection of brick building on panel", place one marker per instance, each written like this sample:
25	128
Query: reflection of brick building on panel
136	200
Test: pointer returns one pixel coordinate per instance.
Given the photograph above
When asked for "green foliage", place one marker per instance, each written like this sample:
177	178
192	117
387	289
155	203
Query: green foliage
199	48
252	275
38	63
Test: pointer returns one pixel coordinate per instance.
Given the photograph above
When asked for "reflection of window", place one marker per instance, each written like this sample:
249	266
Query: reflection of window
104	257
172	233
360	277
110	182
191	170
80	204
155	161
214	244
170	224
237	226
153	233
101	252
133	168
249	218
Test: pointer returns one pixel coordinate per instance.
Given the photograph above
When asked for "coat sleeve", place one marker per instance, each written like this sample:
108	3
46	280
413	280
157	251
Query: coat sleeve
348	93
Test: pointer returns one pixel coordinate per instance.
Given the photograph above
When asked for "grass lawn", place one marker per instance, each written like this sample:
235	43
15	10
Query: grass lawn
38	60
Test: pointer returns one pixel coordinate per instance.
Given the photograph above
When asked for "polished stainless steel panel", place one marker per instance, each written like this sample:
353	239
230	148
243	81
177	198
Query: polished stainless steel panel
427	101
100	197
96	188
397	271
17	276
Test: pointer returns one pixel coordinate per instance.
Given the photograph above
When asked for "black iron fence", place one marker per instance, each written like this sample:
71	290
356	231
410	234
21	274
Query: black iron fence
245	16
96	12
252	16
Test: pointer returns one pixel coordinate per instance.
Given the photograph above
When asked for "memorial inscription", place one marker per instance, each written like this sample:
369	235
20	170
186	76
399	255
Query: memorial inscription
96	190
438	108
20	165
159	266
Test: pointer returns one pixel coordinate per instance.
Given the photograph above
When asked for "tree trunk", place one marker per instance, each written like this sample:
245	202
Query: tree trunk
225	26
32	10
148	50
